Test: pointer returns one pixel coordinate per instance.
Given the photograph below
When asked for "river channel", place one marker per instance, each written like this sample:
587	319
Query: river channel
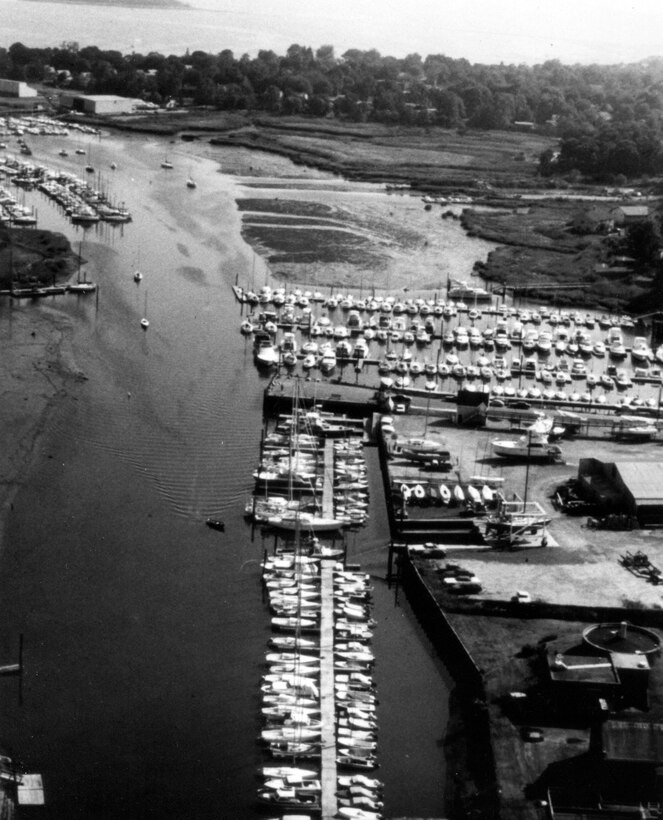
145	631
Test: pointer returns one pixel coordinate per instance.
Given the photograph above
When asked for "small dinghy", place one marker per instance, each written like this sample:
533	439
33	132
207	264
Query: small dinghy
474	494
419	491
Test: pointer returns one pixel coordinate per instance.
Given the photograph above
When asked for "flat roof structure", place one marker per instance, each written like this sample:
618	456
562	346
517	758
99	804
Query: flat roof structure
582	669
643	479
632	742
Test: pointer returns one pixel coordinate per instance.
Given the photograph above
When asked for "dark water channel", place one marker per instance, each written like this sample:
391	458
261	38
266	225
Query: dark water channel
144	630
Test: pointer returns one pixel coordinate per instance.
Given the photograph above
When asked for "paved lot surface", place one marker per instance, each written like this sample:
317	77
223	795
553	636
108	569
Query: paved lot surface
582	567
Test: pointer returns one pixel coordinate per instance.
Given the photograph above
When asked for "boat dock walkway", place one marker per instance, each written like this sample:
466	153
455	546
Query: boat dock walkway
329	802
328	481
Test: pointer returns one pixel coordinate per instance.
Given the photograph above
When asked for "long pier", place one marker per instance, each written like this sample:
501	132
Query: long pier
328	481
329	803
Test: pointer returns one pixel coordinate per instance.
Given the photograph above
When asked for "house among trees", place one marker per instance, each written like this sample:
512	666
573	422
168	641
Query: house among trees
629	214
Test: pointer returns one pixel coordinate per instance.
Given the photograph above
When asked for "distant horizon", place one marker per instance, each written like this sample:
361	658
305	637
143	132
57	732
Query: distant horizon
513	32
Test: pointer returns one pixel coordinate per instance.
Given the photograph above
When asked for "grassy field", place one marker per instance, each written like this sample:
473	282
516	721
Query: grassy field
494	167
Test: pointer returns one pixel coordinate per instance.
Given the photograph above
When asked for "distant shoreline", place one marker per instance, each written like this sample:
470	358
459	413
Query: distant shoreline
147	4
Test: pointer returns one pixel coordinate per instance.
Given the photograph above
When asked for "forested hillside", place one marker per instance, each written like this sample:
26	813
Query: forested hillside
608	118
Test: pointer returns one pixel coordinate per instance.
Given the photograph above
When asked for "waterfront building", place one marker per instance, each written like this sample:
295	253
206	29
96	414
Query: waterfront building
15	88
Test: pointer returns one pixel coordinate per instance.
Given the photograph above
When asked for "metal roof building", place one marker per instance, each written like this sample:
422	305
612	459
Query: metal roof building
633	742
98	103
632	487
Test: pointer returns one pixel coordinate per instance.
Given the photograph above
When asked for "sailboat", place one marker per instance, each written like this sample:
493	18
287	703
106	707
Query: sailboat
166	163
81	286
89	168
296	519
535	444
190	183
145	322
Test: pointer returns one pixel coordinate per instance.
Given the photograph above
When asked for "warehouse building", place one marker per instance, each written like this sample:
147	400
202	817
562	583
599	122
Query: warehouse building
14	88
630	487
100	104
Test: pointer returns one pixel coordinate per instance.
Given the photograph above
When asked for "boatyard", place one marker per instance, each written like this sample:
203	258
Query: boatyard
506	503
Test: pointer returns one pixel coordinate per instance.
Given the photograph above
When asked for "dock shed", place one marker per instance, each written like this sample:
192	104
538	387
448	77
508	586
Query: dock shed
16	88
98	103
631	487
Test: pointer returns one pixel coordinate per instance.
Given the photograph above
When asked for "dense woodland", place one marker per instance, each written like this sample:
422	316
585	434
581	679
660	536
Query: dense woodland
609	118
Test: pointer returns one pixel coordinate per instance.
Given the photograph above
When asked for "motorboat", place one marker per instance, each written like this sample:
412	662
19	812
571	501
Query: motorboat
468	292
290	798
216	524
265	353
635	429
641	352
288	772
290	733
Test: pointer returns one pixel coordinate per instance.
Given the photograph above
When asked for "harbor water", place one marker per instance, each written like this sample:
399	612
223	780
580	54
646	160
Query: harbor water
145	631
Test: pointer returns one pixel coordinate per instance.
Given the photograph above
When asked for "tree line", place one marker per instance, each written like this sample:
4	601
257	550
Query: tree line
609	118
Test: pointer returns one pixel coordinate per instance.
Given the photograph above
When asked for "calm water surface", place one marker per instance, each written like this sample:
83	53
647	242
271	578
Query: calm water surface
144	630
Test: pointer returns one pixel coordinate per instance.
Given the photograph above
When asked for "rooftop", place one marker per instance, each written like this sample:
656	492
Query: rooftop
644	480
582	669
633	741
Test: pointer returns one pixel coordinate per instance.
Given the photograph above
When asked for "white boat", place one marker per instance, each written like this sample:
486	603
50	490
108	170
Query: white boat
190	183
293	520
422	445
288	772
535	444
167	164
641	352
474	494
445	493
635	429
327	361
292	623
345	781
145	322
458	494
265	353
290	733
468	292
82	287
